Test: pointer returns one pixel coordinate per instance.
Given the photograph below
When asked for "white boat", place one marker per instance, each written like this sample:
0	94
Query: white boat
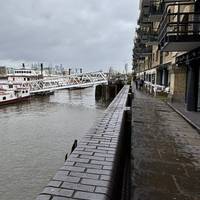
12	93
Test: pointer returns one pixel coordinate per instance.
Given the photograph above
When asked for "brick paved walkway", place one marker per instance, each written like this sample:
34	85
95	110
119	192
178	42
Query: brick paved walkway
165	153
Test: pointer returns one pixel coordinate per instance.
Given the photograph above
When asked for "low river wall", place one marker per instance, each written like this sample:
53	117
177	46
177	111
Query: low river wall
96	169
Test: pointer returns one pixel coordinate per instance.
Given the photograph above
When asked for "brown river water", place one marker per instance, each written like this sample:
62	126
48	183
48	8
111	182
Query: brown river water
36	135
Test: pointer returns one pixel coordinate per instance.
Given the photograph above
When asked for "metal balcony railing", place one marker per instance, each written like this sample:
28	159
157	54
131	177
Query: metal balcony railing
157	7
144	19
179	23
140	52
152	37
148	36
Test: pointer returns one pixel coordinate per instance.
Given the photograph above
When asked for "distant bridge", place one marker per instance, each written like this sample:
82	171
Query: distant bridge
66	82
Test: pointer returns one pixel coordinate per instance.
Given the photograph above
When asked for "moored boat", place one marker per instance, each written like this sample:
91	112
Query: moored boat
12	93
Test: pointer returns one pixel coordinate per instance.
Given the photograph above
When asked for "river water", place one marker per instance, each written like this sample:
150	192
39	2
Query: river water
36	135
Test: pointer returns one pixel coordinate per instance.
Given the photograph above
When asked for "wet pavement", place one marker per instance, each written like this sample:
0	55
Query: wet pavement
192	117
165	153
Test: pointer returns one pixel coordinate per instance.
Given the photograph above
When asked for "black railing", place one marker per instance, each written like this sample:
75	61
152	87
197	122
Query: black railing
179	23
142	50
157	7
144	19
152	37
148	36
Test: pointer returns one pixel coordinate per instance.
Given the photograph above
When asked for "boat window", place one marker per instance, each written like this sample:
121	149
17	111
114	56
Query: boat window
23	91
26	91
4	98
24	78
10	86
28	79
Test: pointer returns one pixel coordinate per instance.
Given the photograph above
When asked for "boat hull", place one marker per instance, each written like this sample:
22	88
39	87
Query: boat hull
16	100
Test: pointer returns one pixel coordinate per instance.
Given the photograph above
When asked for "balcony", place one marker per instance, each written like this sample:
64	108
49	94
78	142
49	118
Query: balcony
144	12
152	38
148	37
156	10
142	52
143	20
180	30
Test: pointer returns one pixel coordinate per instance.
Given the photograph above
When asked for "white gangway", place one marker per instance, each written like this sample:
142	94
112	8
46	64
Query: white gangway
64	82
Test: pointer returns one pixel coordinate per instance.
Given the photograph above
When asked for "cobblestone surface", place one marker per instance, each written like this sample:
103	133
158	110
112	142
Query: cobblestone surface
88	172
165	153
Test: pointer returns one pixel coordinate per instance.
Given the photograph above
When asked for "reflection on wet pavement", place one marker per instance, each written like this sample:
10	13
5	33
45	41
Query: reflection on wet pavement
165	153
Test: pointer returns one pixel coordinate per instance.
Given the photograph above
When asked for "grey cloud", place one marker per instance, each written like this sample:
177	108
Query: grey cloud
88	33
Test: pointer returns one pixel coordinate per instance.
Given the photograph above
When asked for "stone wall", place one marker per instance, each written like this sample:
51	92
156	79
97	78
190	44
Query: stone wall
94	170
178	85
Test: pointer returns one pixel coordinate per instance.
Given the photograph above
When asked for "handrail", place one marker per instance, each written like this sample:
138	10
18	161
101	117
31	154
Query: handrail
156	6
166	14
174	20
176	4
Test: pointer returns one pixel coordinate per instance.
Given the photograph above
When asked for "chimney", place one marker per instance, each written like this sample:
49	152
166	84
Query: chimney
23	65
41	65
70	71
81	70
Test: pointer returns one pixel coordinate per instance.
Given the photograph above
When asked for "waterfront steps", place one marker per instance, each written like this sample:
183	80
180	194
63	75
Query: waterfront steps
95	168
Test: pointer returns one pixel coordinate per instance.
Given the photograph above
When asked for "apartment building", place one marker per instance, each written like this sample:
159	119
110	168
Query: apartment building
166	53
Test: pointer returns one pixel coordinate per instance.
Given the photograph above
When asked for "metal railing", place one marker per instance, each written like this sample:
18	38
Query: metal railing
64	82
143	51
157	7
149	36
179	23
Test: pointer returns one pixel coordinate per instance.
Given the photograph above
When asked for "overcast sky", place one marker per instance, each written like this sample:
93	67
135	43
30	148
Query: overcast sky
94	34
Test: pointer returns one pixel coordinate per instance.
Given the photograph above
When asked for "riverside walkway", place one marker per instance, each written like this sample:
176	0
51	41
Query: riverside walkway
165	153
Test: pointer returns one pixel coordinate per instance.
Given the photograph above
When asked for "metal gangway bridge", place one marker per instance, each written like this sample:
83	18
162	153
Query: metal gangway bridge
50	84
